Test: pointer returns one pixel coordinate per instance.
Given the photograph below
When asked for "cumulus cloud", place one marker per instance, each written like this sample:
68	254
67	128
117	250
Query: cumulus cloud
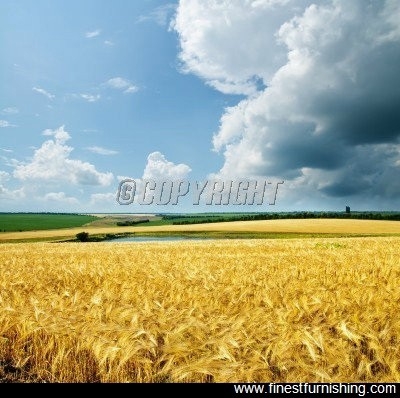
122	84
159	168
230	44
320	108
52	162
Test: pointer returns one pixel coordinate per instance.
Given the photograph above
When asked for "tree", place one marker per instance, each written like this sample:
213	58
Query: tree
82	236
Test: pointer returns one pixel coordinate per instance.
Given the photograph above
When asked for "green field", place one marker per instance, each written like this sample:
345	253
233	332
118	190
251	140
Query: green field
11	222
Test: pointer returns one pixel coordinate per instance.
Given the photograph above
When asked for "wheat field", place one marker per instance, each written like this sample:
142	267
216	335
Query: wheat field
296	310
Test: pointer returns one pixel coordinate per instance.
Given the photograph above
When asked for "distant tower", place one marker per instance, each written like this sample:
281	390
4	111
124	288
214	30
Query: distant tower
348	209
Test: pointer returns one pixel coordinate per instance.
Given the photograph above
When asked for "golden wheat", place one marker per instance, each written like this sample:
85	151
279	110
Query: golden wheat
315	310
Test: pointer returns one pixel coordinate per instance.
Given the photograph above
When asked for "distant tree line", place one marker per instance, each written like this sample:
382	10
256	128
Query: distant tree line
191	216
129	223
276	216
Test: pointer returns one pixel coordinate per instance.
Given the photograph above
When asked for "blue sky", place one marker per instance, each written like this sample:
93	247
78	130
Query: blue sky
93	92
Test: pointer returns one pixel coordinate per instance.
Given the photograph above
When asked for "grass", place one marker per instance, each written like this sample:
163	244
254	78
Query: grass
11	222
281	310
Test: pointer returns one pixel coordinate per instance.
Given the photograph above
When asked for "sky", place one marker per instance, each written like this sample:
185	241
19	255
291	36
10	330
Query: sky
295	91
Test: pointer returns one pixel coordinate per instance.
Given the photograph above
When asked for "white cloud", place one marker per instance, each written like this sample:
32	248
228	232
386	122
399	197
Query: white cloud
52	162
43	92
159	168
93	33
101	151
60	197
9	162
131	89
10	110
90	130
160	15
59	134
90	97
103	198
120	178
85	96
6	150
5	123
4	176
122	84
268	3
8	194
231	45
318	76
108	42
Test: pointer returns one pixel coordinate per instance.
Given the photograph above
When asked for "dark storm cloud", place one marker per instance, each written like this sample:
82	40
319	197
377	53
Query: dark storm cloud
371	173
366	108
328	117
